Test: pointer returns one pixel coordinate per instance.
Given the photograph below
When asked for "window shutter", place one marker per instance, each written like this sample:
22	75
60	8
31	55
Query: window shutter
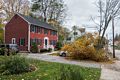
24	42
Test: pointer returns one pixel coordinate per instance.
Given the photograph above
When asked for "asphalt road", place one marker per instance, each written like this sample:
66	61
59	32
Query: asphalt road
117	52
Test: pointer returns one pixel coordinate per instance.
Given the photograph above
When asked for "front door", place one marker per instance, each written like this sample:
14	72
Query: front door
46	43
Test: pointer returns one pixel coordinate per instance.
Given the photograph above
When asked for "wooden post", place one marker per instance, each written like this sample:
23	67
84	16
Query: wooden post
113	37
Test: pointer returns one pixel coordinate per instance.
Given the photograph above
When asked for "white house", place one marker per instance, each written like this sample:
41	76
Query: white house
75	33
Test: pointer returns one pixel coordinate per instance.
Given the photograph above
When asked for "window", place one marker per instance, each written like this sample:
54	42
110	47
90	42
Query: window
69	38
53	42
75	33
45	31
39	30
32	41
53	33
22	42
39	41
50	32
33	28
36	41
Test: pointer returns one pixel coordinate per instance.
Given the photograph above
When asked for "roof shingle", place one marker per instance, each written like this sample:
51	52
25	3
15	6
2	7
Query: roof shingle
37	22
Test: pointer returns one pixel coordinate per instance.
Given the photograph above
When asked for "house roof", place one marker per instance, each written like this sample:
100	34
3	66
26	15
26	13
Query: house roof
36	22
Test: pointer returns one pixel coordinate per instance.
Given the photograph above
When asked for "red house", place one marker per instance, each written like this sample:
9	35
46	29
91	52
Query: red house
25	30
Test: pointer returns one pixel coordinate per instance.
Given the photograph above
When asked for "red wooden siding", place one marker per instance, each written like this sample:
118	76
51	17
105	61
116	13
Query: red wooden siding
41	36
17	28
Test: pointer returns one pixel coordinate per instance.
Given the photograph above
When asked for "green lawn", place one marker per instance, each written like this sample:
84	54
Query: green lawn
47	70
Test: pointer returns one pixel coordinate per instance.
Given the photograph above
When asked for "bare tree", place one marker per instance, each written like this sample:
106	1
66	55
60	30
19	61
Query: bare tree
50	9
12	6
107	10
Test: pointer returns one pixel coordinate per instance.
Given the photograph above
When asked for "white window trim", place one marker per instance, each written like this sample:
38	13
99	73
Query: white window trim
14	39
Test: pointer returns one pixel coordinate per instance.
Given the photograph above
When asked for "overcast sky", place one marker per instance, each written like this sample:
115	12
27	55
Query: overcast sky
79	13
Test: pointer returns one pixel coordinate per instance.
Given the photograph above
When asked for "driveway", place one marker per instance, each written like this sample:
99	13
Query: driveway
111	71
50	58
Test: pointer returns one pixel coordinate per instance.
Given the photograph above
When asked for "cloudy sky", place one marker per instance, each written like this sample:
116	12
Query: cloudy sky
79	13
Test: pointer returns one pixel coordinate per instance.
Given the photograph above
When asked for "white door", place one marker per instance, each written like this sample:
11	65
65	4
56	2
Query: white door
13	40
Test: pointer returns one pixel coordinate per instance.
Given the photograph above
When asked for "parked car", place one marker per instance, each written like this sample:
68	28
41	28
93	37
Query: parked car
63	53
14	47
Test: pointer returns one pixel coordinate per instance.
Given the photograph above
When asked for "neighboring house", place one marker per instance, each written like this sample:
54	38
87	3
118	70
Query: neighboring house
25	30
74	34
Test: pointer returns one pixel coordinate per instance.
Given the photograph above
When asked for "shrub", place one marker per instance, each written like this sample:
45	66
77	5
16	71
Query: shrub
83	48
14	65
2	51
45	50
68	73
12	52
50	49
34	48
58	45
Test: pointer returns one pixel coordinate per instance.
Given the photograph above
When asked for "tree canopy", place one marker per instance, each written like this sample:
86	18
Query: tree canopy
50	9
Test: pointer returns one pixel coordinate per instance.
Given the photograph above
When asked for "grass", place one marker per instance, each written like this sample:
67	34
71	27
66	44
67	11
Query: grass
47	70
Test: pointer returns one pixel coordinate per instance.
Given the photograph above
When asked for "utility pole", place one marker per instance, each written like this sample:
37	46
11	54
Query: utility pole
107	42
113	36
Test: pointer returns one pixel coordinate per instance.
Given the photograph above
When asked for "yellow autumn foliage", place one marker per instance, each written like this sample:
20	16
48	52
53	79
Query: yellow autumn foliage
83	48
